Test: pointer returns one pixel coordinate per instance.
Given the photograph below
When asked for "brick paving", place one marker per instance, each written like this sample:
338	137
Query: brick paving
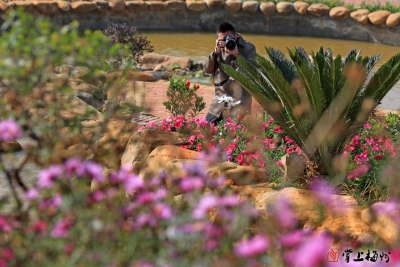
155	95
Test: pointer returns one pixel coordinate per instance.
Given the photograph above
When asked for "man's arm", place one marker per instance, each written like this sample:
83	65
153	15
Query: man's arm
209	64
251	53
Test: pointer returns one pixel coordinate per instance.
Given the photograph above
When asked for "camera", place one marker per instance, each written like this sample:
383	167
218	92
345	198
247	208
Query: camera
230	42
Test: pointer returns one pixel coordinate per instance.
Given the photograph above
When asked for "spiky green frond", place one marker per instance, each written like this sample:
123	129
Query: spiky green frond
351	56
280	61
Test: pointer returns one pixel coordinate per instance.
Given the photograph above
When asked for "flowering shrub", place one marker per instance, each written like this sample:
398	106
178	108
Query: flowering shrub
182	99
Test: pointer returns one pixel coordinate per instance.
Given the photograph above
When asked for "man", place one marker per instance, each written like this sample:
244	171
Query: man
226	86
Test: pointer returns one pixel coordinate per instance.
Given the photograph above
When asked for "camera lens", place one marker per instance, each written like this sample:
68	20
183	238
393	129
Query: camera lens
230	43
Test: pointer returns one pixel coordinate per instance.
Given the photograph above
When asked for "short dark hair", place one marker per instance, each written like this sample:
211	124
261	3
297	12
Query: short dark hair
226	27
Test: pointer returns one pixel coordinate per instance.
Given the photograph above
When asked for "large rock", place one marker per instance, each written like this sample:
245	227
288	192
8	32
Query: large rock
196	5
384	220
142	143
25	5
102	6
156	5
64	6
3	7
141	76
361	16
268	8
151	60
80	109
378	17
176	5
83	7
293	167
318	9
233	6
12	146
136	6
250	6
393	20
117	5
215	4
301	7
83	87
284	8
339	13
46	7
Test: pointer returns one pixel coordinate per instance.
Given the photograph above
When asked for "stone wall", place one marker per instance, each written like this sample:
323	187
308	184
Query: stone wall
298	19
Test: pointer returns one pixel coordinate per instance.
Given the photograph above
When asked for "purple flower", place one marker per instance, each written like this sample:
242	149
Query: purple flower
61	229
95	171
163	211
323	191
56	201
9	130
189	184
206	203
311	253
49	175
4	225
230	201
253	247
74	167
133	182
284	213
292	239
31	194
145	197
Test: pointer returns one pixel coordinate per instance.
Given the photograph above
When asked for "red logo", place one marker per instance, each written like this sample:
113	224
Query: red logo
332	256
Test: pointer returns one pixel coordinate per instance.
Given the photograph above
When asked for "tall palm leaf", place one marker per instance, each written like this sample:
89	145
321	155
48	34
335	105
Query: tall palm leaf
328	86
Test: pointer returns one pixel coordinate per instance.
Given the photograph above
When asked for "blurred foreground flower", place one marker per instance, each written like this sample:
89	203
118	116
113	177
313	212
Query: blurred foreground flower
9	130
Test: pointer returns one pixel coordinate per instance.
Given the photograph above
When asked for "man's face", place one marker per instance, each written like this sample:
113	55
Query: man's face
223	35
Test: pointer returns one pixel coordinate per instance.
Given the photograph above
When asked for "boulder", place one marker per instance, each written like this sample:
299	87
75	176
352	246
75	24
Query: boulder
3	7
83	7
378	17
393	20
361	16
301	7
233	6
141	144
25	5
214	4
318	9
151	60
349	223
102	6
176	5
250	6
156	5
46	7
142	76
80	109
83	87
196	5
63	6
86	97
384	219
284	8
293	167
339	13
117	5
136	6
268	8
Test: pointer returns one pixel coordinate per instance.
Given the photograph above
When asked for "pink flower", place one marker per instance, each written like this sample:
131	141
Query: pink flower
49	175
278	129
133	183
145	197
191	139
189	184
311	253
253	247
61	229
31	194
240	158
367	126
292	239
74	167
9	130
4	225
163	211
284	213
279	163
95	171
6	253
230	201
360	170
97	196
39	227
206	203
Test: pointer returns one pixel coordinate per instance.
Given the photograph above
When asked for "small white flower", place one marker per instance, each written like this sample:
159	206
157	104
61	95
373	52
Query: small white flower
225	98
235	103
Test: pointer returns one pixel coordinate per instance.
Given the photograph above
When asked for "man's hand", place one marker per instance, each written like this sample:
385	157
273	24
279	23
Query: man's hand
233	52
219	43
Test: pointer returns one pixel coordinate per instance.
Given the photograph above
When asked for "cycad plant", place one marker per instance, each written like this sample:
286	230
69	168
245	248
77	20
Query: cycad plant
320	100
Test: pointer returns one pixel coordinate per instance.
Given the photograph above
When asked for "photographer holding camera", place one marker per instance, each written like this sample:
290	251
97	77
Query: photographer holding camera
228	46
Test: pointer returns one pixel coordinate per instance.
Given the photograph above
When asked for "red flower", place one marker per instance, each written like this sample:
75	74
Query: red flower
187	84
199	147
197	86
240	158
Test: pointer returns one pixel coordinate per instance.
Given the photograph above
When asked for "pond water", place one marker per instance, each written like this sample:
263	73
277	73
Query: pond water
197	46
